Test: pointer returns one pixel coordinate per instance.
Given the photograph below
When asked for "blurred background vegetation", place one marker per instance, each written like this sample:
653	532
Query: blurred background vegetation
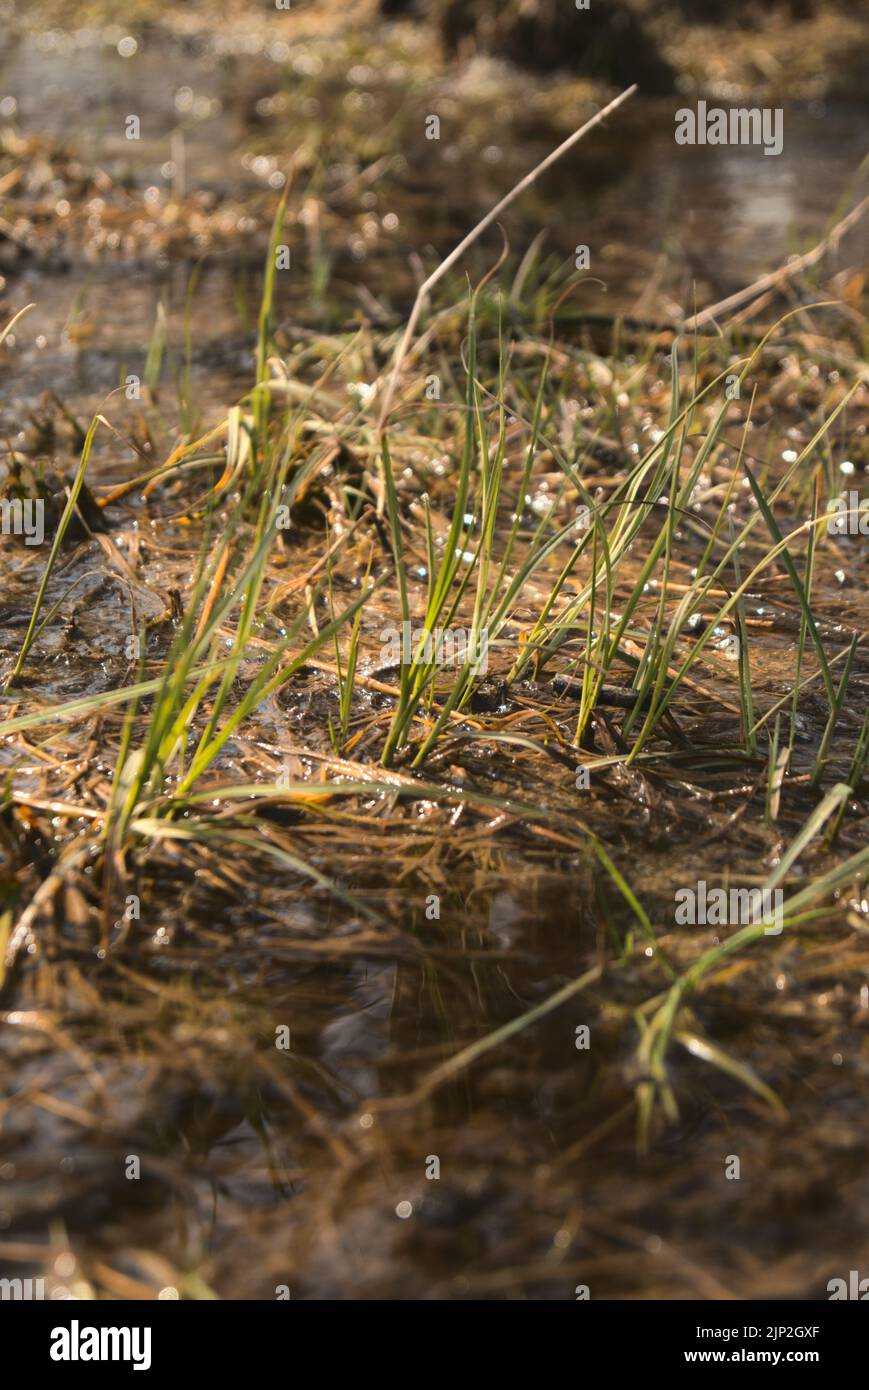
787	49
659	42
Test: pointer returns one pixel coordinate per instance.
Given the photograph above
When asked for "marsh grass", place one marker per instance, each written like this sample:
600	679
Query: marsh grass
688	531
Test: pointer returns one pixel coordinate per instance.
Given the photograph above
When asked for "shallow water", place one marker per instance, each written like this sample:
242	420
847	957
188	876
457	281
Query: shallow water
664	222
262	1168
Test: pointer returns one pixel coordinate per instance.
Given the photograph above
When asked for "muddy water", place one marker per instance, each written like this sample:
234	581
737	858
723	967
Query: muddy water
261	1171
